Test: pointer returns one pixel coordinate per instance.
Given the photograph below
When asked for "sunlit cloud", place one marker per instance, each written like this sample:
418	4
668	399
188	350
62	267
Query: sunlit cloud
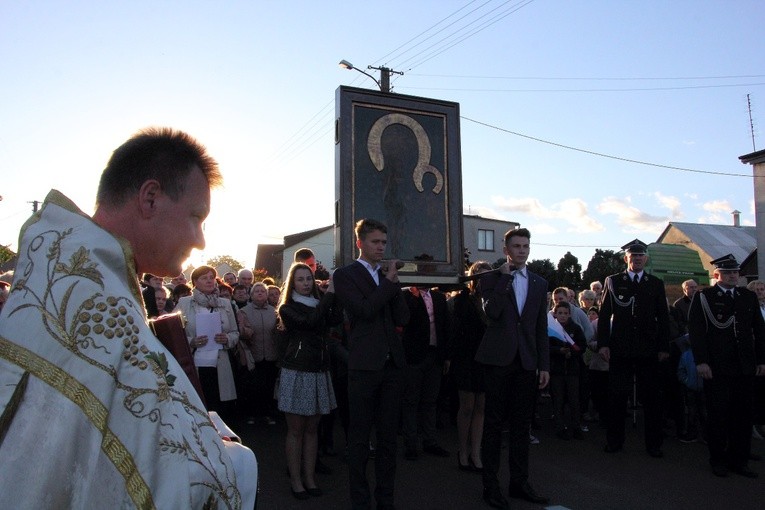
630	217
572	210
543	228
483	212
717	206
671	203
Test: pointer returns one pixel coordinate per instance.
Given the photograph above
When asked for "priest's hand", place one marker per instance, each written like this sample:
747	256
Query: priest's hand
199	341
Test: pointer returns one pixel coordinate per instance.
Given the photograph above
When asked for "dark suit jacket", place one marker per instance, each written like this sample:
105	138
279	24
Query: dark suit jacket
640	329
729	351
374	313
417	331
509	333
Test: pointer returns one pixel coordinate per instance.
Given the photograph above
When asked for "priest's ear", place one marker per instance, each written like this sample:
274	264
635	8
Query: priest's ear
148	195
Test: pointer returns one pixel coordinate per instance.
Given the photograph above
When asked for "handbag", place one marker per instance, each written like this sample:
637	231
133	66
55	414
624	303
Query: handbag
170	332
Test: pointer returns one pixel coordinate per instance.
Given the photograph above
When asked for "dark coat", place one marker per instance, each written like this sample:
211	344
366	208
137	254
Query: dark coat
468	328
305	331
640	329
728	351
374	313
417	331
509	333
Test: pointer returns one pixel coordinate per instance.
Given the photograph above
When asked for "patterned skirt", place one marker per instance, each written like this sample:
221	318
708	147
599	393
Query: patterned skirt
305	393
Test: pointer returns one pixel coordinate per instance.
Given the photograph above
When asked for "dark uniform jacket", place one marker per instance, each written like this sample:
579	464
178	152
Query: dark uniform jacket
636	328
732	350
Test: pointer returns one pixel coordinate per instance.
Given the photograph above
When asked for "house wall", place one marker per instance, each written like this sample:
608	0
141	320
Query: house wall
323	248
472	224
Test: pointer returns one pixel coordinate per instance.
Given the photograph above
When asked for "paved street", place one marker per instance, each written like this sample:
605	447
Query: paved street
574	474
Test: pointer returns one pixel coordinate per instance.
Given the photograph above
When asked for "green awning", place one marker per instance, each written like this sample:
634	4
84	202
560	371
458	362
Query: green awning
675	263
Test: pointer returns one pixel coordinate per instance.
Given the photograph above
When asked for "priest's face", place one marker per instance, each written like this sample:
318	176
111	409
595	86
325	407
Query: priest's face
177	226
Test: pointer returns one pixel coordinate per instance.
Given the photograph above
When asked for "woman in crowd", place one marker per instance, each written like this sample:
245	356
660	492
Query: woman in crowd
305	387
469	323
258	335
218	380
587	299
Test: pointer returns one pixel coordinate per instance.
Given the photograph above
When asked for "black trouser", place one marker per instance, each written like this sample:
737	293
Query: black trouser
622	373
510	394
564	389
729	419
374	398
418	408
263	380
599	392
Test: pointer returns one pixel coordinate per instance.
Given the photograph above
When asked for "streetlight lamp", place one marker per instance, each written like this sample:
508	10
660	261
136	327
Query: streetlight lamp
385	72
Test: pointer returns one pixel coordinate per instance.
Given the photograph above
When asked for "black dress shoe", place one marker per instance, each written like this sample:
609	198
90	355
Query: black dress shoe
314	491
302	495
754	456
720	470
436	450
745	471
410	454
495	499
656	453
612	449
527	492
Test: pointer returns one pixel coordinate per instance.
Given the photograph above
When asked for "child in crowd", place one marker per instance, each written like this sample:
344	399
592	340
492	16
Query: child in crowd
566	348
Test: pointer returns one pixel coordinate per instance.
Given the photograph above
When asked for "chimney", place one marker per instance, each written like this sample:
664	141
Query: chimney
736	218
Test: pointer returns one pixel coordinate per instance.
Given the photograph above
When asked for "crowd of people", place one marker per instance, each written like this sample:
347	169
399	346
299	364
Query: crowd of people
423	354
358	346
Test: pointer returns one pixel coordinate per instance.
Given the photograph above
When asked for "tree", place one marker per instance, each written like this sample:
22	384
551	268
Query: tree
545	269
234	264
569	272
603	263
5	254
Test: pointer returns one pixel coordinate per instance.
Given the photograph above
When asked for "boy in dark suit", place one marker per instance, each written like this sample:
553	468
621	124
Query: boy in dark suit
376	310
516	361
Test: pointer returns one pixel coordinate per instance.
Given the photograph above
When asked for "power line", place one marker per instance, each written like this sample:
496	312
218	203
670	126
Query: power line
563	78
449	44
429	29
632	89
600	154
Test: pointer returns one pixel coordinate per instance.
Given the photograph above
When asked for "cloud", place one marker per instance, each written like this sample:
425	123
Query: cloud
572	210
717	206
671	203
630	217
483	212
543	228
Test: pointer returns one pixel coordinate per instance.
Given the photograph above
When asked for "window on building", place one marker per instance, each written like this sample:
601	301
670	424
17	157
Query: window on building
485	240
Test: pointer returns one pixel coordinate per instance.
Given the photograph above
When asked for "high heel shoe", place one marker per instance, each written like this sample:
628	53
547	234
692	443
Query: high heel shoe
301	495
467	467
463	467
475	468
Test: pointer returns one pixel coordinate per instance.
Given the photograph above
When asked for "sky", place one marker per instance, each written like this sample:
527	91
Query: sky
562	104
